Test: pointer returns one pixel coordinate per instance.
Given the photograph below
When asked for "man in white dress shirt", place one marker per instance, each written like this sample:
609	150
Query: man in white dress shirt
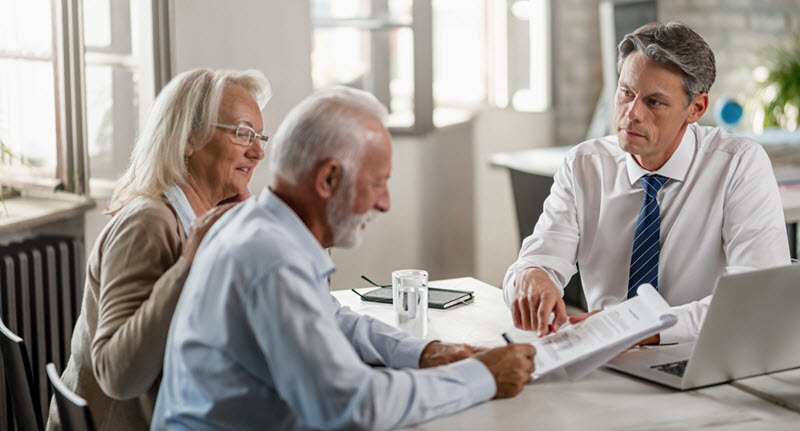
665	201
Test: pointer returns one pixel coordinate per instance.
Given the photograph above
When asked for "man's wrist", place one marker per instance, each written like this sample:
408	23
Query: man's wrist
426	352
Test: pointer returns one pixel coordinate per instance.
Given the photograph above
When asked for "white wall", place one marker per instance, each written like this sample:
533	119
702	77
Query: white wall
497	239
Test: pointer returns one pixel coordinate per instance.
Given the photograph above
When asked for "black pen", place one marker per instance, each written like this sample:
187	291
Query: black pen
507	338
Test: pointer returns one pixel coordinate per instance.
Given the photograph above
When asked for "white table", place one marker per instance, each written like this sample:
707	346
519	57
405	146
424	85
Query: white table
603	400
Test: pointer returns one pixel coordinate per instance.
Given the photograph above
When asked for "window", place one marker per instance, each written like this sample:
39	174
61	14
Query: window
28	89
432	62
74	79
375	45
529	57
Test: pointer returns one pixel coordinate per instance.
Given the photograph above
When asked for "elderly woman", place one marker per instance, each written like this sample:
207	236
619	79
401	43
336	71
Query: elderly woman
198	149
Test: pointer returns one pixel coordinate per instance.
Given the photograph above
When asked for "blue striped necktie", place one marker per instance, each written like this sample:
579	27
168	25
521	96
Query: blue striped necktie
646	237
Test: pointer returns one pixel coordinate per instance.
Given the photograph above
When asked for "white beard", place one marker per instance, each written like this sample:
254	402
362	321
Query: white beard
347	227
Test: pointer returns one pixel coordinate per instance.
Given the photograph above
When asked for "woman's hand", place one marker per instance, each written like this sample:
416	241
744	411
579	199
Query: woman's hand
200	226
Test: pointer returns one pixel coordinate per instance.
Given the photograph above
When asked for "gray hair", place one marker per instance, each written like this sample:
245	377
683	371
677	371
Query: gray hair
325	125
182	113
676	45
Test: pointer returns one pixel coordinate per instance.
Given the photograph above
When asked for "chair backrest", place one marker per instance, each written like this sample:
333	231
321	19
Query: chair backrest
72	409
19	380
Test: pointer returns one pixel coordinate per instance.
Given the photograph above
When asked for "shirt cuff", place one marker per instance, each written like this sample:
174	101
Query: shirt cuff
408	352
477	377
676	333
519	266
687	327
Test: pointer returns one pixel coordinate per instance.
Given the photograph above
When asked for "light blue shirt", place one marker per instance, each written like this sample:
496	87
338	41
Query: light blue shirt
258	342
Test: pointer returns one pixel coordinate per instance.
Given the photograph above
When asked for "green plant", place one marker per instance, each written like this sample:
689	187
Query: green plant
782	86
6	153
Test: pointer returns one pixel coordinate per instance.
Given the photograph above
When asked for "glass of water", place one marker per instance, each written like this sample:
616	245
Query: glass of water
410	299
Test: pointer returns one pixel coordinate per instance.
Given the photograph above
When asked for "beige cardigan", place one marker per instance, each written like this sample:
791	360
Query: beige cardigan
133	281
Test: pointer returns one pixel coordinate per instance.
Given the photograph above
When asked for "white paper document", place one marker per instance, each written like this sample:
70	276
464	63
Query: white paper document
584	346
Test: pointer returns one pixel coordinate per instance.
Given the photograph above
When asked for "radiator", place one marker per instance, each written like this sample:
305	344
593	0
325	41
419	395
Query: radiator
41	289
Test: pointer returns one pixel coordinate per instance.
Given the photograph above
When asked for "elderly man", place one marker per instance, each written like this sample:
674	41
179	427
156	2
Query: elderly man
665	201
258	342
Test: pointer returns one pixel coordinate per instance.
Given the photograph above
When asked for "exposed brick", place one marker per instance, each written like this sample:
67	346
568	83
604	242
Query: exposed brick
733	20
673	5
753	42
704	4
769	22
741	4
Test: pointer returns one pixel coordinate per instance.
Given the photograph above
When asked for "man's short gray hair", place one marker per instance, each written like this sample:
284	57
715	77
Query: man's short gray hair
325	125
182	113
676	45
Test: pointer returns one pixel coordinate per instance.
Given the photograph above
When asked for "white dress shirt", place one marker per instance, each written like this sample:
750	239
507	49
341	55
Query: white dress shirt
720	210
258	342
177	198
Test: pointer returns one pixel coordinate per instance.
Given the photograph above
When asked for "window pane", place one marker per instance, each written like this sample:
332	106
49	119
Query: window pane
401	109
97	23
381	62
113	74
459	52
343	9
112	103
99	114
340	56
27	112
26	26
528	53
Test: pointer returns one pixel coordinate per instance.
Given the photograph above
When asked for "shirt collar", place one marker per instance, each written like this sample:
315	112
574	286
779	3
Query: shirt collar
180	204
286	216
676	167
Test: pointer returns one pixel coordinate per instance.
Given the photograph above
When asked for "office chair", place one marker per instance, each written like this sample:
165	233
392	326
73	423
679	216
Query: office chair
72	409
19	380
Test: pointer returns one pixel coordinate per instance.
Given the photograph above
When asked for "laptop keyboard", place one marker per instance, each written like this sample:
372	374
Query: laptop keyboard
677	368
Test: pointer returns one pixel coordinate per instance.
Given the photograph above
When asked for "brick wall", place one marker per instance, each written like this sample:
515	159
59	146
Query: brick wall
577	68
737	30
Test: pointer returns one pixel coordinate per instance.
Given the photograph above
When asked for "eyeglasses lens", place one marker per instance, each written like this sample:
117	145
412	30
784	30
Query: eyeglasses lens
245	135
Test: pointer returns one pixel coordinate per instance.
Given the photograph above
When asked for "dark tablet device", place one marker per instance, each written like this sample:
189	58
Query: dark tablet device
437	298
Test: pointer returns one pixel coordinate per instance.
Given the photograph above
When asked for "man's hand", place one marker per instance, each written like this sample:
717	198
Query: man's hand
511	366
535	297
437	353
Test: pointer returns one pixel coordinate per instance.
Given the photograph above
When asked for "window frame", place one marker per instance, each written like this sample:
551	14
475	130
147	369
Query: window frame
503	77
69	58
421	29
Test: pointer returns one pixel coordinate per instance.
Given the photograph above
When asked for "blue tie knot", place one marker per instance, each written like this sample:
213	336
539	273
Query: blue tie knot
652	183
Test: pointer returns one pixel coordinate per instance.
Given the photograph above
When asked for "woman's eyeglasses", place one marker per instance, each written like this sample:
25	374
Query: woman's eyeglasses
245	135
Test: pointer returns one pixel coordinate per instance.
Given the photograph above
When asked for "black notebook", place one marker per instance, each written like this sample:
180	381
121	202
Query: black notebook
437	298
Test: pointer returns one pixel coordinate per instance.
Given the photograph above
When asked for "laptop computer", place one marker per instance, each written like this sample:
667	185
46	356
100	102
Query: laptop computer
752	327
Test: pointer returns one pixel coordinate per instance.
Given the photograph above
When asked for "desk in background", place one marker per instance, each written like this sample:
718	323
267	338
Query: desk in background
603	400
